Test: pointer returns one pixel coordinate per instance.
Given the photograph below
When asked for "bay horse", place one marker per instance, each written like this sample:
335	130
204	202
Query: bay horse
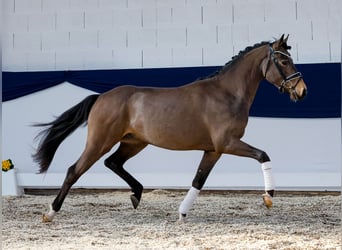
208	114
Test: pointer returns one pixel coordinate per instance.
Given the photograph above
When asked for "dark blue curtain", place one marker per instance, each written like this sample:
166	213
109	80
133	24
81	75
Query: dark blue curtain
323	81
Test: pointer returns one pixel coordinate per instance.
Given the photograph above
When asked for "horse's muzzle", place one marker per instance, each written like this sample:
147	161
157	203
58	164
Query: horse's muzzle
300	91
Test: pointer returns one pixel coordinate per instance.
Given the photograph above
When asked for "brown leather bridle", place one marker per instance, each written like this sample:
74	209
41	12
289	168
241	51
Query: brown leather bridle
283	85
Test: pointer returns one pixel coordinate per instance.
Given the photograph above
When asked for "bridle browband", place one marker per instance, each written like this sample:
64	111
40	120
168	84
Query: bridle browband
286	79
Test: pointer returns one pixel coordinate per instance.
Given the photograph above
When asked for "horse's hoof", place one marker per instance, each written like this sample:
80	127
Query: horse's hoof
135	201
46	218
182	218
267	200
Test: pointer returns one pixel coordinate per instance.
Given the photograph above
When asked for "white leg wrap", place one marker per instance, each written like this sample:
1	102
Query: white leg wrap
51	214
268	176
188	200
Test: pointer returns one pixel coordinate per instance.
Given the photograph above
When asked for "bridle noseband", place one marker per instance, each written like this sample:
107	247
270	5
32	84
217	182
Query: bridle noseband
286	79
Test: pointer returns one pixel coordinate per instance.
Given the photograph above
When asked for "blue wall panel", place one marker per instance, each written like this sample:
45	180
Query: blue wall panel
323	81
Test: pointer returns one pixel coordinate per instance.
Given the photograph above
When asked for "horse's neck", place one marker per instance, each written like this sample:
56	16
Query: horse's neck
244	77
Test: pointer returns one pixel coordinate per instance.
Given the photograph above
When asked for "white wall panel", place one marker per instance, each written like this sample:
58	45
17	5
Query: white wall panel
164	17
15	22
218	14
284	11
70	59
217	55
83	4
99	20
326	30
141	4
70	20
302	32
99	59
114	38
201	2
187	16
240	33
27	41
137	25
171	4
187	56
157	57
171	37
53	5
111	4
55	41
269	31
127	58
8	6
335	51
248	11
320	30
84	39
224	35
44	61
200	36
42	22
313	52
149	17
259	31
312	10
335	9
7	41
14	60
129	18
28	6
142	38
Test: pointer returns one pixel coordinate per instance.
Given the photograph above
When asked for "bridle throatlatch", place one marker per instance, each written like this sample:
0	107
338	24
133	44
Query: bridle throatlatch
286	79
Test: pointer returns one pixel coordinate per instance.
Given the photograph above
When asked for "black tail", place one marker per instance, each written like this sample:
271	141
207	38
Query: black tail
59	129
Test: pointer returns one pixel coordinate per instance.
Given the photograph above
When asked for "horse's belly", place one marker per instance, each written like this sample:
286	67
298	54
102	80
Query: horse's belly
181	137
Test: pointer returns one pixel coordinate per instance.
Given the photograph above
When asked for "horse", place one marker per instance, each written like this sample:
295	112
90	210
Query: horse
209	114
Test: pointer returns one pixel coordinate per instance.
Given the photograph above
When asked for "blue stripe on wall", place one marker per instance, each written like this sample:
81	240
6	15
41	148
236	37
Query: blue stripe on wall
323	81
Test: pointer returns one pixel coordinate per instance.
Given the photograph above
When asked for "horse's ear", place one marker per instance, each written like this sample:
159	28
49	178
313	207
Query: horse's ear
279	42
282	42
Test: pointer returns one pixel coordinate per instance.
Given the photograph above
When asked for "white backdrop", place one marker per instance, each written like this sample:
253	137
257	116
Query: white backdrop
44	35
106	34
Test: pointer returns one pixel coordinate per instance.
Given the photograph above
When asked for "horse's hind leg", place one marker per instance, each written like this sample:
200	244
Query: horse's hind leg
116	161
90	155
207	163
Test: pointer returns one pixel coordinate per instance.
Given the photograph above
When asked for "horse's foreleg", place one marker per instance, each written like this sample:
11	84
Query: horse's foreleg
116	161
207	163
241	148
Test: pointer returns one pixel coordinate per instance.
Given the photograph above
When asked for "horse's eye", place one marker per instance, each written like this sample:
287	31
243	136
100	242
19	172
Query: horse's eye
284	62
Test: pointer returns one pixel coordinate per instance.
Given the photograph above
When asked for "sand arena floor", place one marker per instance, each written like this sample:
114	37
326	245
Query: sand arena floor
218	220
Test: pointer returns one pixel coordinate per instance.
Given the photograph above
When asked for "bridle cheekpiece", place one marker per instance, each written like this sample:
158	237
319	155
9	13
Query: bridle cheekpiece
286	79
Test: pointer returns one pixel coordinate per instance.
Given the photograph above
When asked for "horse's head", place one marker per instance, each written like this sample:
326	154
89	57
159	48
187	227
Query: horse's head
278	69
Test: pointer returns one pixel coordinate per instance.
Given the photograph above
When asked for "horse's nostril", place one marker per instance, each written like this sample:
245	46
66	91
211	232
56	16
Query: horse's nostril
304	92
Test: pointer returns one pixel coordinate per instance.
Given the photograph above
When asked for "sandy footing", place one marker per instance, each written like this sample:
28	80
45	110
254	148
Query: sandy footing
107	220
